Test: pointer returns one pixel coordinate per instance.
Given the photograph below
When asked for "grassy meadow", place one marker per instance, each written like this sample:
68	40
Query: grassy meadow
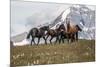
81	51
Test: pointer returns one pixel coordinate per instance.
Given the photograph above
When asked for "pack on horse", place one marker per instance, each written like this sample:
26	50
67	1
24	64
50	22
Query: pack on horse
37	33
72	31
56	33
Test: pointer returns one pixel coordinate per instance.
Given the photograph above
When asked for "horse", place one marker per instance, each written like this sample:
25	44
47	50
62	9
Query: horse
72	31
56	33
38	33
62	33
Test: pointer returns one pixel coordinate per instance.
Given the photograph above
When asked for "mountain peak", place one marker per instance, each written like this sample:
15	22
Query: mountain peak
76	14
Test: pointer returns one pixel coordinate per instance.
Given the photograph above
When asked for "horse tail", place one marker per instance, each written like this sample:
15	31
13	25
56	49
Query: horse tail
28	36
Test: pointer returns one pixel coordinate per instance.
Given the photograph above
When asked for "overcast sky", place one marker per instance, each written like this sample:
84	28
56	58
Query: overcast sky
25	15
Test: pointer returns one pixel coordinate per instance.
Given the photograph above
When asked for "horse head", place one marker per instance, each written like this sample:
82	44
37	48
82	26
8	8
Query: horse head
79	29
62	27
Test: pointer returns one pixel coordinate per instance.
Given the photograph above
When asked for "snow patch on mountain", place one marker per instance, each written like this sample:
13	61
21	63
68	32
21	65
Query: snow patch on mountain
64	15
81	15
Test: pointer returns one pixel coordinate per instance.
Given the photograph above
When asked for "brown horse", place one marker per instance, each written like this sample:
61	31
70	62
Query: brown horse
72	31
56	33
53	34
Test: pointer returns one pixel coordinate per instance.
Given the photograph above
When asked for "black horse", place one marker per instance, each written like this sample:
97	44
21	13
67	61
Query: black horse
38	33
57	33
62	33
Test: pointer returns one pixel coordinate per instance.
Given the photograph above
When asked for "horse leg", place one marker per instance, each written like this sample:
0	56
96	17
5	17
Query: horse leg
38	40
45	40
76	36
57	38
33	40
73	38
47	37
68	41
62	39
68	37
51	39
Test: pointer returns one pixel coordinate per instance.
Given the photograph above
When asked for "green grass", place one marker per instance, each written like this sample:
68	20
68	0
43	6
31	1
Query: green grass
81	51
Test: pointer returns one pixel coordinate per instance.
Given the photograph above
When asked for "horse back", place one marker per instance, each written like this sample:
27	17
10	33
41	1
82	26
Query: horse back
71	28
51	32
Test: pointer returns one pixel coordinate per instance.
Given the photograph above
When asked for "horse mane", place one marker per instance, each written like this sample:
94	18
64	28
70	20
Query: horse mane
41	28
44	27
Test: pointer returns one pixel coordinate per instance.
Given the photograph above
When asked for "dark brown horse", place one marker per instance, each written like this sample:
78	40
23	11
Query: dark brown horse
56	33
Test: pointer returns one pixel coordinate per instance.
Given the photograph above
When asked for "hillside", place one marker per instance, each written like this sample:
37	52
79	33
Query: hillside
82	51
19	37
